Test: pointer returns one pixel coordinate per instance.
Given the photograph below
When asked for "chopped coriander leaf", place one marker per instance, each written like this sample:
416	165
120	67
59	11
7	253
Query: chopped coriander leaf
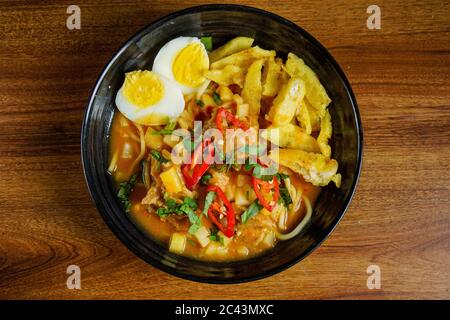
251	211
188	201
187	207
195	221
216	98
285	197
162	212
124	192
205	178
207	42
208	201
200	103
171	204
158	156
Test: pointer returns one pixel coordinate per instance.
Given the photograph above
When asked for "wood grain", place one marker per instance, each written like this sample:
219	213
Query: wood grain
400	216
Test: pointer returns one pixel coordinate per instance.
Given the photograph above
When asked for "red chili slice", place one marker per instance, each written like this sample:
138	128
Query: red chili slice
225	115
214	209
262	187
198	169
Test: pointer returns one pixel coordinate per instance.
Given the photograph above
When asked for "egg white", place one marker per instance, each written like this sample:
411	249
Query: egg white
170	105
165	58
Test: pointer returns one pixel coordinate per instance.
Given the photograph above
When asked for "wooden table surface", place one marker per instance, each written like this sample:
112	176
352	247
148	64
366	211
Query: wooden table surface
398	220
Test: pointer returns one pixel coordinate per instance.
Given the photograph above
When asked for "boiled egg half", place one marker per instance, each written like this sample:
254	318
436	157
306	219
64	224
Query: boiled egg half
185	61
149	98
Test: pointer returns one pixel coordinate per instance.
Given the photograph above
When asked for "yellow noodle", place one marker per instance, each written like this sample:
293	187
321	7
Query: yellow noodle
301	225
131	135
113	165
142	153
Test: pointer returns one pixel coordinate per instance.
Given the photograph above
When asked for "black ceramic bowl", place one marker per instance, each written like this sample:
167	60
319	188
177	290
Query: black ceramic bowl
223	22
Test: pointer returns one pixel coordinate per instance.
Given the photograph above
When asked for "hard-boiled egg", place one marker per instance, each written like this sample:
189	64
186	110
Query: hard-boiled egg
148	98
184	60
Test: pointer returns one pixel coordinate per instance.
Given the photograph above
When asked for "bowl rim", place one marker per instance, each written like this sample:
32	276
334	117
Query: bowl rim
233	8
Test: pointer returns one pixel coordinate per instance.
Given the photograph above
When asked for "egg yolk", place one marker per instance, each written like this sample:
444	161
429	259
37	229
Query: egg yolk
190	65
142	88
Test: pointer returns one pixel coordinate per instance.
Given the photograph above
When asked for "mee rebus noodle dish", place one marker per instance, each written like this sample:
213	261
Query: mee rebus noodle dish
213	205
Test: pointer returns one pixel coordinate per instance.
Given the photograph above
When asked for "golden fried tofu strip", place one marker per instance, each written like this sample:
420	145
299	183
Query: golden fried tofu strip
315	92
232	46
303	117
244	58
314	167
271	78
228	75
251	93
287	101
325	134
291	136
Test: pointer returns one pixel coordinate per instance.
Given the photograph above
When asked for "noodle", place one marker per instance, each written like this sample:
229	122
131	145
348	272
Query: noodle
113	165
142	153
132	136
301	225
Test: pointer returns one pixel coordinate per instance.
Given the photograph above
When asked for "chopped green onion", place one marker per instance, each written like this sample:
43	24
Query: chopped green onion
213	234
200	103
216	98
168	129
158	156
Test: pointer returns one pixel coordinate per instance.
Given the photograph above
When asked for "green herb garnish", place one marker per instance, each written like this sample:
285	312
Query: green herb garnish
205	178
213	234
168	129
216	98
125	189
259	172
285	197
187	207
158	156
251	211
207	42
200	103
